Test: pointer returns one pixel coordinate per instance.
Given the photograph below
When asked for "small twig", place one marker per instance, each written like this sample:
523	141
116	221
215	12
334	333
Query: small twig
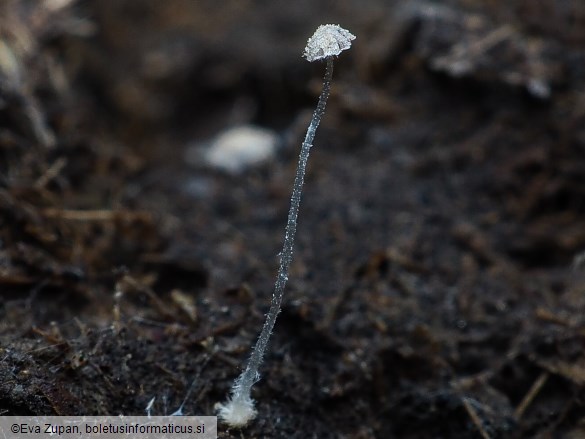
160	306
179	411
96	215
51	173
475	418
550	317
534	390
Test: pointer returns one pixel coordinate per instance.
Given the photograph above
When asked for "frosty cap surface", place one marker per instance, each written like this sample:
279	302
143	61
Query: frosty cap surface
328	40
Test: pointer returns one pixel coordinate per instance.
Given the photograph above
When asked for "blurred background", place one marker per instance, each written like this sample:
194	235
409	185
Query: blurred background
147	152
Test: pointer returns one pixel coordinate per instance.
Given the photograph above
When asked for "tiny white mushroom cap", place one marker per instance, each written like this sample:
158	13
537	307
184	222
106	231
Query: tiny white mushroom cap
328	40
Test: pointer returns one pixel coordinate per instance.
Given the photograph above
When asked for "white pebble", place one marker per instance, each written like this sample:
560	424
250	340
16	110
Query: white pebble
240	148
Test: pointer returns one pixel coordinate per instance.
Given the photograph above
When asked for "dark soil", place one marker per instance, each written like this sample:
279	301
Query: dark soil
437	289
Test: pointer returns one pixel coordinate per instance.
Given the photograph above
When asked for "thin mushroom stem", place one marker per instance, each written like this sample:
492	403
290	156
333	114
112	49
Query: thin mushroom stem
249	377
327	42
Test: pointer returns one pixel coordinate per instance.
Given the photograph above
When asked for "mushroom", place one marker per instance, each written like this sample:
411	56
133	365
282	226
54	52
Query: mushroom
327	42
